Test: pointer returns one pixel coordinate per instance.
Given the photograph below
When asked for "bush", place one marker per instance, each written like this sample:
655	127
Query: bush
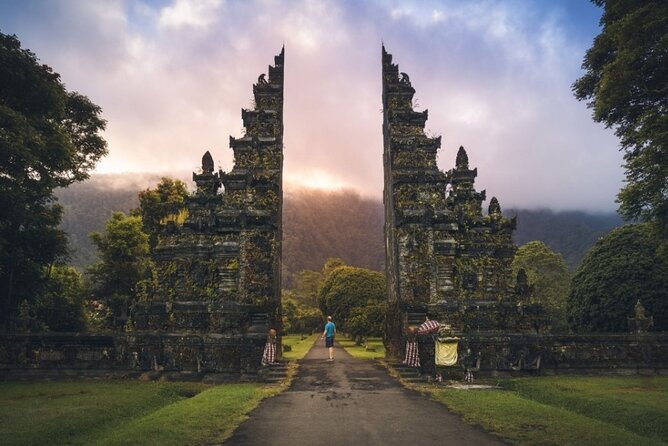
627	265
60	308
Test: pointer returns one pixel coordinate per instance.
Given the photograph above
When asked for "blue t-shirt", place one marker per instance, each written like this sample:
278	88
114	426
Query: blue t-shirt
329	328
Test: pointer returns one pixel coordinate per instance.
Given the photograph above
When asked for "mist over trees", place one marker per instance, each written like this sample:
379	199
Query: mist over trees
570	233
318	225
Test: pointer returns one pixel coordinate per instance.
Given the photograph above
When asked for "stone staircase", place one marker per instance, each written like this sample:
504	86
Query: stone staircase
274	373
408	374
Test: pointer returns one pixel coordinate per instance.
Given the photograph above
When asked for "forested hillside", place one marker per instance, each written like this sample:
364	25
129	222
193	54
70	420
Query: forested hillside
570	233
318	225
89	205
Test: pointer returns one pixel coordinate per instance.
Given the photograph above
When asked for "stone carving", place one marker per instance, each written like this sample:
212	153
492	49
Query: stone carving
641	323
444	257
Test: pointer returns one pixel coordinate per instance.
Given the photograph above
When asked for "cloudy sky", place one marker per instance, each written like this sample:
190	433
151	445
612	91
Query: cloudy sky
172	76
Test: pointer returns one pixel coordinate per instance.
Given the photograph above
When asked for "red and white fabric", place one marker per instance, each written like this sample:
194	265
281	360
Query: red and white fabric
429	326
412	355
269	355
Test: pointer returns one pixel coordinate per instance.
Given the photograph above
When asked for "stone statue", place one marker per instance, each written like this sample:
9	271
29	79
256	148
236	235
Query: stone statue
641	323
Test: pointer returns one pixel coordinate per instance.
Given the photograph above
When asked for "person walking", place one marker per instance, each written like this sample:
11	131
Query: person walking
328	334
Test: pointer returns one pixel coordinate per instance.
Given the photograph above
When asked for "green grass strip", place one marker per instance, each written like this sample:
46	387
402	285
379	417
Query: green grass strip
527	422
377	350
299	347
209	417
75	412
638	404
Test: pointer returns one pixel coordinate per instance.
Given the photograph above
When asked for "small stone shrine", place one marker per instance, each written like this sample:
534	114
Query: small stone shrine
444	257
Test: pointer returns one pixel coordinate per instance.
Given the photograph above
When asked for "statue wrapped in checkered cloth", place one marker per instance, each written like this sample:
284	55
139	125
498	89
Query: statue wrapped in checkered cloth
269	355
412	356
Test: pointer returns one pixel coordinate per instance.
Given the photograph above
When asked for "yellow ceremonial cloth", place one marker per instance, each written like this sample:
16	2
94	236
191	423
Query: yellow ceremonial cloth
446	352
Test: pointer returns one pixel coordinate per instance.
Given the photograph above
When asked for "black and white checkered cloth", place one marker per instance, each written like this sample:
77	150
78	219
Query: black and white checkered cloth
412	356
269	355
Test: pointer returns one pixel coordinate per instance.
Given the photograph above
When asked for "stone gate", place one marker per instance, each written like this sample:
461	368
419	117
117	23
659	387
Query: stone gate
220	271
218	285
217	290
449	261
444	257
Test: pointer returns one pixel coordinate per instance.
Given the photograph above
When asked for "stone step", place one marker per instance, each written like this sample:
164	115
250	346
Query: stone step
415	379
275	367
407	373
274	373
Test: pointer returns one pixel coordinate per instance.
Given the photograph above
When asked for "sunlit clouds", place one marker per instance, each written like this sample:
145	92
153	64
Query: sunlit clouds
172	77
189	13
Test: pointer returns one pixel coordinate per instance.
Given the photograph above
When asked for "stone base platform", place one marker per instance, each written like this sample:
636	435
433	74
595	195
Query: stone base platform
139	355
495	354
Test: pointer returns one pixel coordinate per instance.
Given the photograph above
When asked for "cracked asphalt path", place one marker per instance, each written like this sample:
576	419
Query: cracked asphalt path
352	402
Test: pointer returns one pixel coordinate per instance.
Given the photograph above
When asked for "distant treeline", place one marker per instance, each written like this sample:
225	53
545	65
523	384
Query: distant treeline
570	233
318	225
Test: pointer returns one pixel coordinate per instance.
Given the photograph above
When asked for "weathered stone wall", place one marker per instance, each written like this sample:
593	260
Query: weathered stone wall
523	353
223	357
152	355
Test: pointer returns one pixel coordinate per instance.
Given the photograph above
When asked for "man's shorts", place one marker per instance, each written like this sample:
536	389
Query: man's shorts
329	341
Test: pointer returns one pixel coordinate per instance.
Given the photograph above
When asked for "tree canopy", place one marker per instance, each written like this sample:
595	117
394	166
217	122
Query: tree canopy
548	275
306	287
165	202
49	138
346	288
623	267
123	249
299	317
626	85
60	307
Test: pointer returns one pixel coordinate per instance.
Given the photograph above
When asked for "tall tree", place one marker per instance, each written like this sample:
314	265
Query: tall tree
307	283
123	249
49	138
548	274
626	85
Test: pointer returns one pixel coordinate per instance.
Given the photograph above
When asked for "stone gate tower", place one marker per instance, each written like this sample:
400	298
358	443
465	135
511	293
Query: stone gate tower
444	257
218	274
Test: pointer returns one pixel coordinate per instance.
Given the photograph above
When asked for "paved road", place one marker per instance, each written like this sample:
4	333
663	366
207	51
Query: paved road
351	402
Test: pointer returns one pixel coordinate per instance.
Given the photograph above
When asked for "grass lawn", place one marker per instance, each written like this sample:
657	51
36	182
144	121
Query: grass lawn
299	346
376	348
123	412
568	410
